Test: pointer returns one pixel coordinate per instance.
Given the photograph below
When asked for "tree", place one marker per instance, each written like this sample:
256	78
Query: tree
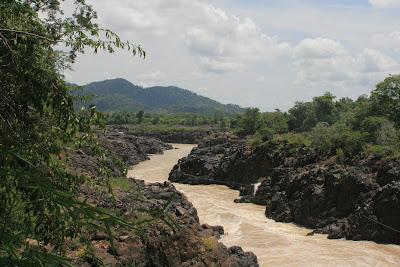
248	123
38	196
305	115
272	123
385	99
155	120
139	116
298	115
324	108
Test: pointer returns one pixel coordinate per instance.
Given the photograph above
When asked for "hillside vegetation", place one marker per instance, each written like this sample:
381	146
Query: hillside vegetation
368	125
121	95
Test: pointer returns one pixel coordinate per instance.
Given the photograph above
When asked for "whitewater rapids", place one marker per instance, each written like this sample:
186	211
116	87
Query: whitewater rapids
275	244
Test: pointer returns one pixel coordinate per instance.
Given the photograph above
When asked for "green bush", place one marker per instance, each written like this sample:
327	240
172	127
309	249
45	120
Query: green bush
296	139
373	125
328	138
340	155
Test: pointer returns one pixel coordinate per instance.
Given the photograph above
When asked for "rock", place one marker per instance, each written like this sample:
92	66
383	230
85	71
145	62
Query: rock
180	242
180	211
159	244
216	231
123	238
241	258
123	148
182	137
387	172
357	198
206	233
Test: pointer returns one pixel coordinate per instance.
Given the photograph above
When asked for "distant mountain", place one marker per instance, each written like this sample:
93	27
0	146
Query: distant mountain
121	95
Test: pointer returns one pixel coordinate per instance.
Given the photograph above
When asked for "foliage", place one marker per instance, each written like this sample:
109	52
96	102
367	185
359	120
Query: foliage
120	183
305	116
368	125
249	122
296	139
272	123
385	99
37	121
166	122
139	116
330	138
119	95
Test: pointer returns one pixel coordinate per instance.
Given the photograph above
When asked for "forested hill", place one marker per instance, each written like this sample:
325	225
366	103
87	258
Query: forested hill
121	95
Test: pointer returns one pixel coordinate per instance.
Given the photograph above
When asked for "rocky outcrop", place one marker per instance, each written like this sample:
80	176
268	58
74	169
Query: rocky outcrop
223	160
170	236
181	136
164	226
121	149
356	198
130	148
342	200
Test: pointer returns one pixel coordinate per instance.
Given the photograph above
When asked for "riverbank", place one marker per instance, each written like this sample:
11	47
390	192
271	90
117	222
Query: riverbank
163	230
354	198
274	243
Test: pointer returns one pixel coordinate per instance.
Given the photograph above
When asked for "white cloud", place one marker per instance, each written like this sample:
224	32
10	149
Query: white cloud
389	40
188	40
319	48
226	43
384	3
327	64
220	42
373	61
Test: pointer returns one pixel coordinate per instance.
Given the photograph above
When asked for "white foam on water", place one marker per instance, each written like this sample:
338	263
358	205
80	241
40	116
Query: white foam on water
256	186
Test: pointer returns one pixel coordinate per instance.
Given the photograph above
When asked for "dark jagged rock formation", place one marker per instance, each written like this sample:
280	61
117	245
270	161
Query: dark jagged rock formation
356	199
122	148
181	242
181	136
130	148
220	160
186	243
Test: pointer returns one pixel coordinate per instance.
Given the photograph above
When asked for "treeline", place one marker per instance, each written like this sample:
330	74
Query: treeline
368	125
183	119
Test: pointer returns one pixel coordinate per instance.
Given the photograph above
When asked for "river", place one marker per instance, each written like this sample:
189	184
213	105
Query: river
275	244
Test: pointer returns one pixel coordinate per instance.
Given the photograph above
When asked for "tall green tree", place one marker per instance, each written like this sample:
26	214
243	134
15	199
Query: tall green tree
249	121
139	116
385	99
37	121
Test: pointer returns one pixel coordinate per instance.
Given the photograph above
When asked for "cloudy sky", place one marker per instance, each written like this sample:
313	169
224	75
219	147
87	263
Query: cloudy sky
263	53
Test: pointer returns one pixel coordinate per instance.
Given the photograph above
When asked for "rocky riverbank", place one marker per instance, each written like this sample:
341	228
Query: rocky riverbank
176	135
355	198
121	149
166	231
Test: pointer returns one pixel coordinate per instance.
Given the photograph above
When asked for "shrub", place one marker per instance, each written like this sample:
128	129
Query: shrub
373	126
340	155
296	139
339	136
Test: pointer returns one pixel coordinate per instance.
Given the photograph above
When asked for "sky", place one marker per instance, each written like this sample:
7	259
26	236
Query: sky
259	53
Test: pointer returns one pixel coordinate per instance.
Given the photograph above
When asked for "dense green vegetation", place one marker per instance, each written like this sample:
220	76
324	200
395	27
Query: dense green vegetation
119	95
368	125
142	119
40	208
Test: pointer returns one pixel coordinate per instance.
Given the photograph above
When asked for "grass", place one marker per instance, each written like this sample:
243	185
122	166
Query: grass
122	183
296	139
210	243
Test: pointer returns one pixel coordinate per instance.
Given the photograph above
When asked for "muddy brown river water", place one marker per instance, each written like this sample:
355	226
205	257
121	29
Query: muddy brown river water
275	244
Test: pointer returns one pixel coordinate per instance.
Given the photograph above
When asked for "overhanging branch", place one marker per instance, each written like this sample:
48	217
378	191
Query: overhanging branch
29	34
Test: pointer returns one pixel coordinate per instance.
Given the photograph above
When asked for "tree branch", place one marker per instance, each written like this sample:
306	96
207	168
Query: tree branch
29	34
